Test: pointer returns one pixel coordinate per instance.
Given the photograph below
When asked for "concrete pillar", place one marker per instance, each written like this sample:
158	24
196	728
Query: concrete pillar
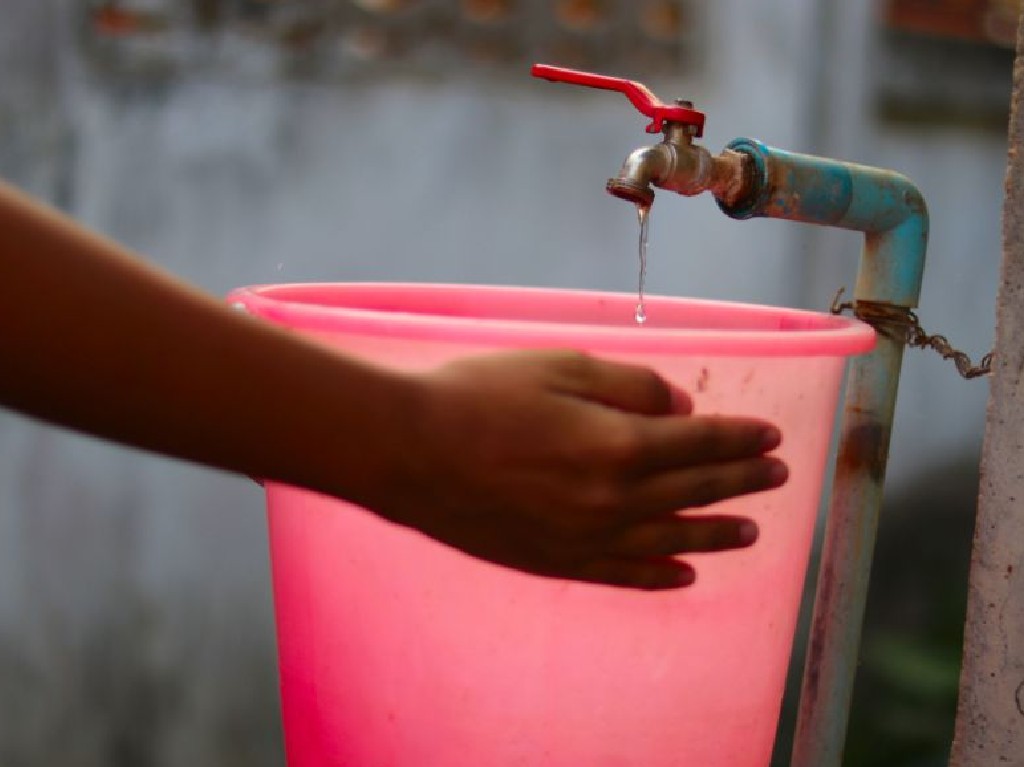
990	719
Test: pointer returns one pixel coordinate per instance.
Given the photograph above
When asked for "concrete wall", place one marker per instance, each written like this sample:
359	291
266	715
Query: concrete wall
135	615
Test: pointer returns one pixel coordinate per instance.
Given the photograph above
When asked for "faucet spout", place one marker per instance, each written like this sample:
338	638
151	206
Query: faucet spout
643	169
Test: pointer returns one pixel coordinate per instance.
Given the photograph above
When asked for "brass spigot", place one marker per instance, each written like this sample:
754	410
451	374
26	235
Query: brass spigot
677	163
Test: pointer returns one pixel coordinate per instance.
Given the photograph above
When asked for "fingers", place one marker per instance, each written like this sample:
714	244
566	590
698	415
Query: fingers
618	385
638	574
673	443
640	559
685	535
703	485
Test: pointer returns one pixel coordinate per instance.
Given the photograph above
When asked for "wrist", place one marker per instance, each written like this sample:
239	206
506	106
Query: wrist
353	438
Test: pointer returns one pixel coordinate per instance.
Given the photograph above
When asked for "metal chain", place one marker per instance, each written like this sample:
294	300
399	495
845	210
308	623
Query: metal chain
901	324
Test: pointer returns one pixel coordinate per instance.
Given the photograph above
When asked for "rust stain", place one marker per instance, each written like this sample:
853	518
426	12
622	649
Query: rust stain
816	643
865	448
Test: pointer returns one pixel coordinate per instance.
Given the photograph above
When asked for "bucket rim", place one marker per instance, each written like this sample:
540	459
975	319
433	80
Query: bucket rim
771	331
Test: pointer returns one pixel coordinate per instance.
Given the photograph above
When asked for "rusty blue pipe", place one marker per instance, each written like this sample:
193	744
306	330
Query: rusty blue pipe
891	212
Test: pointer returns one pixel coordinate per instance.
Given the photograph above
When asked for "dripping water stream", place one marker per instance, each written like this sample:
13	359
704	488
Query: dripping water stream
643	213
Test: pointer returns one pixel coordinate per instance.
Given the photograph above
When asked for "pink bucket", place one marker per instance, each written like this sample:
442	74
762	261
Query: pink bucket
396	651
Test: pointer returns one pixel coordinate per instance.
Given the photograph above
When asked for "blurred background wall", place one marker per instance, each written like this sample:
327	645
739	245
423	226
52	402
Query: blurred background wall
252	141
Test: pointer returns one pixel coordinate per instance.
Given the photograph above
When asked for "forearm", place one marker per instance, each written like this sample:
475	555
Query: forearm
94	339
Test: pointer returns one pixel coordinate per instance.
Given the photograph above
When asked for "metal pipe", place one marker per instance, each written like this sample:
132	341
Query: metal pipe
830	663
891	212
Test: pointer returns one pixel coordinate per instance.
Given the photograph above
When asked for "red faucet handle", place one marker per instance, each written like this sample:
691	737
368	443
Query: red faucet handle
639	95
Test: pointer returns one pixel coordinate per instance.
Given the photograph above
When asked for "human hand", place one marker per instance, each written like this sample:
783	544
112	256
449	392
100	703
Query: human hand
550	462
560	464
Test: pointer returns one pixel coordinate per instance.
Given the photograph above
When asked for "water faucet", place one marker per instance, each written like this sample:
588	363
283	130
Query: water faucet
677	164
752	180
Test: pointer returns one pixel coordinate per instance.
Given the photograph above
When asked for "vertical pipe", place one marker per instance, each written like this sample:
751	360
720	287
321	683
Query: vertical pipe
890	211
831	661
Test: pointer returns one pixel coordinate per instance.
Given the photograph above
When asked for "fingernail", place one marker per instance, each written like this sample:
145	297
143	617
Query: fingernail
771	438
682	404
685	576
778	473
748	532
